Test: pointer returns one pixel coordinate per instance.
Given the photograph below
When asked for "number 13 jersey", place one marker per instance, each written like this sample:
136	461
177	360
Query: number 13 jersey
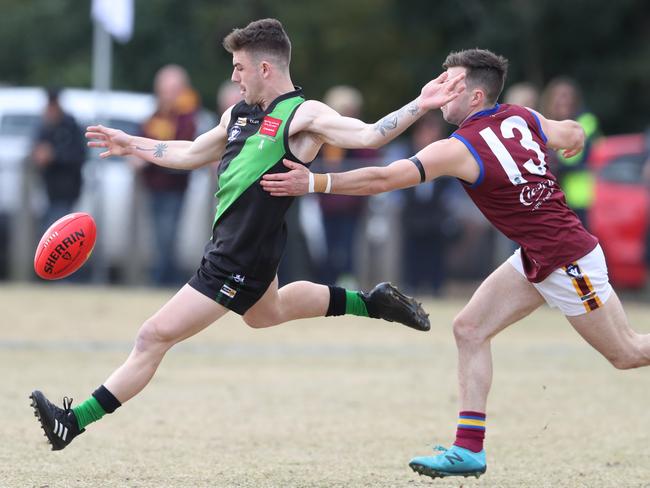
516	191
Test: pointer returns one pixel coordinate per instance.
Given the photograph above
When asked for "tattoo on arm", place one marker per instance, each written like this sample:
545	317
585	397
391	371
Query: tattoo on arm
389	122
413	108
158	149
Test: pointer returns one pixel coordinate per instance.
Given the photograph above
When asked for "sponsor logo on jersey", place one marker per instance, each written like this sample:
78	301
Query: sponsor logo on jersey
536	195
234	132
241	121
270	126
229	292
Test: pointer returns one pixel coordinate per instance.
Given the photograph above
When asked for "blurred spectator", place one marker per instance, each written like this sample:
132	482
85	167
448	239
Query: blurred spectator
175	119
228	95
342	213
562	99
524	93
59	152
428	225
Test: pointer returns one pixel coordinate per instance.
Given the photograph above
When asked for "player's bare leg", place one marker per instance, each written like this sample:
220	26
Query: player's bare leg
608	331
184	315
502	299
297	300
303	299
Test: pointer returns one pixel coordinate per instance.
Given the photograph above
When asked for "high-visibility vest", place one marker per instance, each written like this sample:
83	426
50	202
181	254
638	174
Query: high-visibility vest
577	180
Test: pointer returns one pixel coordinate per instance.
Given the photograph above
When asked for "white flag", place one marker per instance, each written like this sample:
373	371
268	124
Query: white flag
116	16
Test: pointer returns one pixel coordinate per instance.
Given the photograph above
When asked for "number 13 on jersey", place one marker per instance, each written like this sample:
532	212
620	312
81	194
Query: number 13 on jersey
536	166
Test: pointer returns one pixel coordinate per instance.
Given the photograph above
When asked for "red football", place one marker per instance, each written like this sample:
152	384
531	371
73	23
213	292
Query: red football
65	246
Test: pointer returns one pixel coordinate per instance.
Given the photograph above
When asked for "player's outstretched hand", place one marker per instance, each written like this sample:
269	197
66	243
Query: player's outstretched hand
115	141
441	91
290	184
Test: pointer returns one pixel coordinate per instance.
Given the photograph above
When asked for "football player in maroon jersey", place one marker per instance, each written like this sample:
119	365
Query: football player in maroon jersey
499	152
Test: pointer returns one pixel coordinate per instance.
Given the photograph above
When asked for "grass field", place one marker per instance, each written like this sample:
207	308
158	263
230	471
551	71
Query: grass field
321	403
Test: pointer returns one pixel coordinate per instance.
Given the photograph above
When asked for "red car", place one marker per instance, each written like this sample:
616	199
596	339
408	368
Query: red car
619	214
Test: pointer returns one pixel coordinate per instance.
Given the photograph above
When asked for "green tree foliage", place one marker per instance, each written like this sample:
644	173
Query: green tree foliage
388	48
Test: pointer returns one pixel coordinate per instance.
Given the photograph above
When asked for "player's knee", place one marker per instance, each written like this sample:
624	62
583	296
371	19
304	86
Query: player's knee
260	321
467	331
622	362
151	336
632	353
629	360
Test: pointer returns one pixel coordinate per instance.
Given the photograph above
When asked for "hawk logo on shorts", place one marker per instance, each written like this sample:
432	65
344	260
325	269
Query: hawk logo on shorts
573	270
238	278
229	292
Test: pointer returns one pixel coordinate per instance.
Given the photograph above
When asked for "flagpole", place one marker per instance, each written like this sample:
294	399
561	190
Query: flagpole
102	58
101	78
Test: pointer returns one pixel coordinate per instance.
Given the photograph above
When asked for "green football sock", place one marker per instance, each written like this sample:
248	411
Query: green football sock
354	304
88	412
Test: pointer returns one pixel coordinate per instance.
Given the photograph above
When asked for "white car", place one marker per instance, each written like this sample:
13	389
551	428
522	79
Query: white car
108	193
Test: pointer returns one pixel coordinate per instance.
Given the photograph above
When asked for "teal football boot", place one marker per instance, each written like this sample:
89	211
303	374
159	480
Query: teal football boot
455	461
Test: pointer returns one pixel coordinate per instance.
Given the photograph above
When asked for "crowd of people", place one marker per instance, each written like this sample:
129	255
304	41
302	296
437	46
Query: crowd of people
437	223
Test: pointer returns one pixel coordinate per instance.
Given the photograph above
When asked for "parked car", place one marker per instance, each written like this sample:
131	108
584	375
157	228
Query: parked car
109	186
619	215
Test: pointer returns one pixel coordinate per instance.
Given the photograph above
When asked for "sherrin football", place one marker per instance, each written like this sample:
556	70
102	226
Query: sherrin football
65	246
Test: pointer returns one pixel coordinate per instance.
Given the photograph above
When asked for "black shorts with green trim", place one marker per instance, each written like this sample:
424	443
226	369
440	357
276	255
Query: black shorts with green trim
234	291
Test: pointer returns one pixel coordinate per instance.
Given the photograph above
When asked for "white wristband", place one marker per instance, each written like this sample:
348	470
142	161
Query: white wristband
328	188
310	189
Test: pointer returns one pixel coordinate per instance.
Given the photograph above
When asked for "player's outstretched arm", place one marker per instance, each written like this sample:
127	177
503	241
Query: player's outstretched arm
170	154
364	181
445	157
566	135
347	132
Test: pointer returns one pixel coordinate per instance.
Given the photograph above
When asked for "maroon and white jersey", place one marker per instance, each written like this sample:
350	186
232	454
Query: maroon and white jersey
516	191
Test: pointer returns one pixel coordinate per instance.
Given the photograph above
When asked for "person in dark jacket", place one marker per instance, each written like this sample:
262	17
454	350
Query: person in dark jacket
427	222
59	153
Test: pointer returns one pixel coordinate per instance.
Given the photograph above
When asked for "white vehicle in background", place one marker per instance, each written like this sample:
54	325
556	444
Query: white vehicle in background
109	189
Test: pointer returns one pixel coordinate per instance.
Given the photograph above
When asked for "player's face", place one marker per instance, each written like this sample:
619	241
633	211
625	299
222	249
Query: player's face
457	110
246	73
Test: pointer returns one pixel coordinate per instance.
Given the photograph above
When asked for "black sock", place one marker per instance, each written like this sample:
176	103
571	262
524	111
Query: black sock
337	301
106	399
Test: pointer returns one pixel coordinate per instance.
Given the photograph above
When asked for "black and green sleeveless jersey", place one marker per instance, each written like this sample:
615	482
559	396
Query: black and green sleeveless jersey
249	231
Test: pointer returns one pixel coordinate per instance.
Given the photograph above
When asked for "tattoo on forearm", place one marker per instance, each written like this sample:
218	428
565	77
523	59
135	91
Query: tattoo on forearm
158	149
389	122
413	108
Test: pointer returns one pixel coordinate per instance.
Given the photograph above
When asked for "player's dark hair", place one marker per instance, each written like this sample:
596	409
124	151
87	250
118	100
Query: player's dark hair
265	36
483	68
